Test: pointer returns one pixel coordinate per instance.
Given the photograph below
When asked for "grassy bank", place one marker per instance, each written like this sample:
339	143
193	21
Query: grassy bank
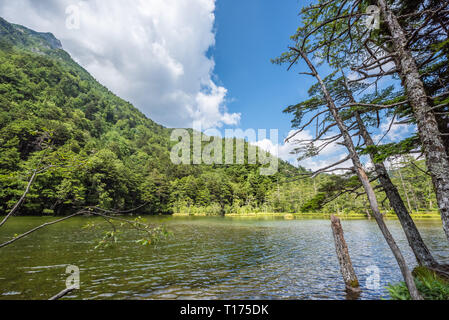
431	286
292	216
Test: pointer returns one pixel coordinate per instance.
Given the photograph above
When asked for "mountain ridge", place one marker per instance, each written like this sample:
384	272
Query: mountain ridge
21	35
125	155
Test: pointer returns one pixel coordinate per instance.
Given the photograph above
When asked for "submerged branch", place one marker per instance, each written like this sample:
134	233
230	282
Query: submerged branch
62	294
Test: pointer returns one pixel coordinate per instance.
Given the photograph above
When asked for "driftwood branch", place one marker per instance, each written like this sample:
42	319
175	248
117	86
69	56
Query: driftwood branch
62	294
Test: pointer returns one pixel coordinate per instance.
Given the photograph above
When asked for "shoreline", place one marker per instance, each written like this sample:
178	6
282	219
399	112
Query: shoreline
293	216
286	216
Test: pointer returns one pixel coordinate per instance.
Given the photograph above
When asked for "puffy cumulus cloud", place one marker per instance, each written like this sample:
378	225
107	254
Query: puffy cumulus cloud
152	53
282	150
331	154
208	108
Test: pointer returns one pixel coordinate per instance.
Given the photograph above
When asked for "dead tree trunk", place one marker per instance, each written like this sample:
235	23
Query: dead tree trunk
347	271
430	135
419	248
349	144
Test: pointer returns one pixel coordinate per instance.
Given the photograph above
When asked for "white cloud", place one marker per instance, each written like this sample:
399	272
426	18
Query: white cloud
331	154
152	53
396	133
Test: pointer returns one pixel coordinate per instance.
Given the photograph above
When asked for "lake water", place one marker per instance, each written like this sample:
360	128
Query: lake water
206	258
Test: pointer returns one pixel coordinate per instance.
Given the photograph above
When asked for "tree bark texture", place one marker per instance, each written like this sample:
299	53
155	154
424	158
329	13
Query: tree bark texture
347	270
349	144
430	135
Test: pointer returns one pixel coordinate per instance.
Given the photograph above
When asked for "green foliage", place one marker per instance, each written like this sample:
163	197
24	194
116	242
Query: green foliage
104	151
385	151
109	239
315	204
50	94
430	285
152	234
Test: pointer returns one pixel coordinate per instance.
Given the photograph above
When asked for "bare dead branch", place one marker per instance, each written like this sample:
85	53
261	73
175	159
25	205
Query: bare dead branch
62	294
22	198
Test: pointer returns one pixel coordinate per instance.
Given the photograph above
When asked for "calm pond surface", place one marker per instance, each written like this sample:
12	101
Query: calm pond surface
206	258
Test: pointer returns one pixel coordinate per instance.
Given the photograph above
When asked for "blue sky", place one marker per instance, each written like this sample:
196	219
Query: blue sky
248	34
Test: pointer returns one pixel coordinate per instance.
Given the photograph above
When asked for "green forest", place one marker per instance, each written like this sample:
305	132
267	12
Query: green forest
73	151
103	151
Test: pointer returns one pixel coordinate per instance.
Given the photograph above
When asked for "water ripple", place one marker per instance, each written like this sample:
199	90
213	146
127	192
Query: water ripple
208	258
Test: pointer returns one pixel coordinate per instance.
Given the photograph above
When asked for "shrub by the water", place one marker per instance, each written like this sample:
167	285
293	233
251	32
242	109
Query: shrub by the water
430	285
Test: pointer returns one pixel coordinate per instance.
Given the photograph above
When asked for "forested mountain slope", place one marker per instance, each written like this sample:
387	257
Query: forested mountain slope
107	152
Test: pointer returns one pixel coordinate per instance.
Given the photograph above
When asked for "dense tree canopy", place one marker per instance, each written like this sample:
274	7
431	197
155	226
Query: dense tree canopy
102	150
105	152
